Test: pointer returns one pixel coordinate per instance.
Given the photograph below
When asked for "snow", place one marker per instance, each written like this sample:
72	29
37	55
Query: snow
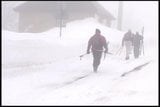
44	69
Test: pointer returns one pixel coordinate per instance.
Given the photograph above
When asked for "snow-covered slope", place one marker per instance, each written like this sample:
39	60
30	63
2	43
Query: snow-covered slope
30	48
44	69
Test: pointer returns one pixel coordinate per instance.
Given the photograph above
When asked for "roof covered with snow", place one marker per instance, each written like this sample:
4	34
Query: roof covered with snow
54	6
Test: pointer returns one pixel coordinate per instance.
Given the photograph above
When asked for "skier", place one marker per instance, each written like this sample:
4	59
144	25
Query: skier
137	43
127	41
97	42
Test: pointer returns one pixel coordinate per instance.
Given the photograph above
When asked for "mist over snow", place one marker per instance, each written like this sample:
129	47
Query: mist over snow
48	46
45	69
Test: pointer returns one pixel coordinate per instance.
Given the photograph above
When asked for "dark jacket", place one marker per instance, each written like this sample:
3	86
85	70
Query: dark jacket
137	39
97	42
127	37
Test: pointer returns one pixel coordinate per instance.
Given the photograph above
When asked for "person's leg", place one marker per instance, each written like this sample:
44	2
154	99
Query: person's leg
127	50
136	52
128	45
96	60
140	48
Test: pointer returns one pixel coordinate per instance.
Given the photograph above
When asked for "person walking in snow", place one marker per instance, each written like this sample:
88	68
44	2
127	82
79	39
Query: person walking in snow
127	40
137	43
97	42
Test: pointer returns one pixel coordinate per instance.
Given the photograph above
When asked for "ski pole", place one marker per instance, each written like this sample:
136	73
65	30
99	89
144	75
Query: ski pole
104	56
97	50
119	50
82	55
142	39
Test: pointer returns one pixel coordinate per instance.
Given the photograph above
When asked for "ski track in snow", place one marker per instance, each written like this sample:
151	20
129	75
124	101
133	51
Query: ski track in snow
35	74
76	79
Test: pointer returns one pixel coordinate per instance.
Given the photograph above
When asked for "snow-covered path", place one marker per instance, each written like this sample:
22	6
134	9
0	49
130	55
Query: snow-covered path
42	69
48	84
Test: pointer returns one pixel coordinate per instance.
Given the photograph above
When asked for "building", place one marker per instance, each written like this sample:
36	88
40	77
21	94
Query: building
39	16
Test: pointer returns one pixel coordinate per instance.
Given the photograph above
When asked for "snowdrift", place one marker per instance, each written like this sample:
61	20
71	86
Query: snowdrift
23	49
44	69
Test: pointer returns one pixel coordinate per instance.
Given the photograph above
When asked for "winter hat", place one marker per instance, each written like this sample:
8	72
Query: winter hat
97	30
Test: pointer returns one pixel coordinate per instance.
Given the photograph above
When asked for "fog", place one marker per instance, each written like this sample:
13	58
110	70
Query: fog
136	14
40	67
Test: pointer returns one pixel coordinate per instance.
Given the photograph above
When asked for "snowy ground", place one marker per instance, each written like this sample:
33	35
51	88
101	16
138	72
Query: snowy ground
43	69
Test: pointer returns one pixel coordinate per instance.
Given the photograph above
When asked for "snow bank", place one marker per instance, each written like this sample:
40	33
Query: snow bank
22	49
58	77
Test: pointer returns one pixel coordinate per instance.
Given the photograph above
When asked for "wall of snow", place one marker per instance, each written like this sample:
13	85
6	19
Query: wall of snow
21	49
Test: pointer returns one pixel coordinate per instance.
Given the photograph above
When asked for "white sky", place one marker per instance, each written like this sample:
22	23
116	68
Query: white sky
135	13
